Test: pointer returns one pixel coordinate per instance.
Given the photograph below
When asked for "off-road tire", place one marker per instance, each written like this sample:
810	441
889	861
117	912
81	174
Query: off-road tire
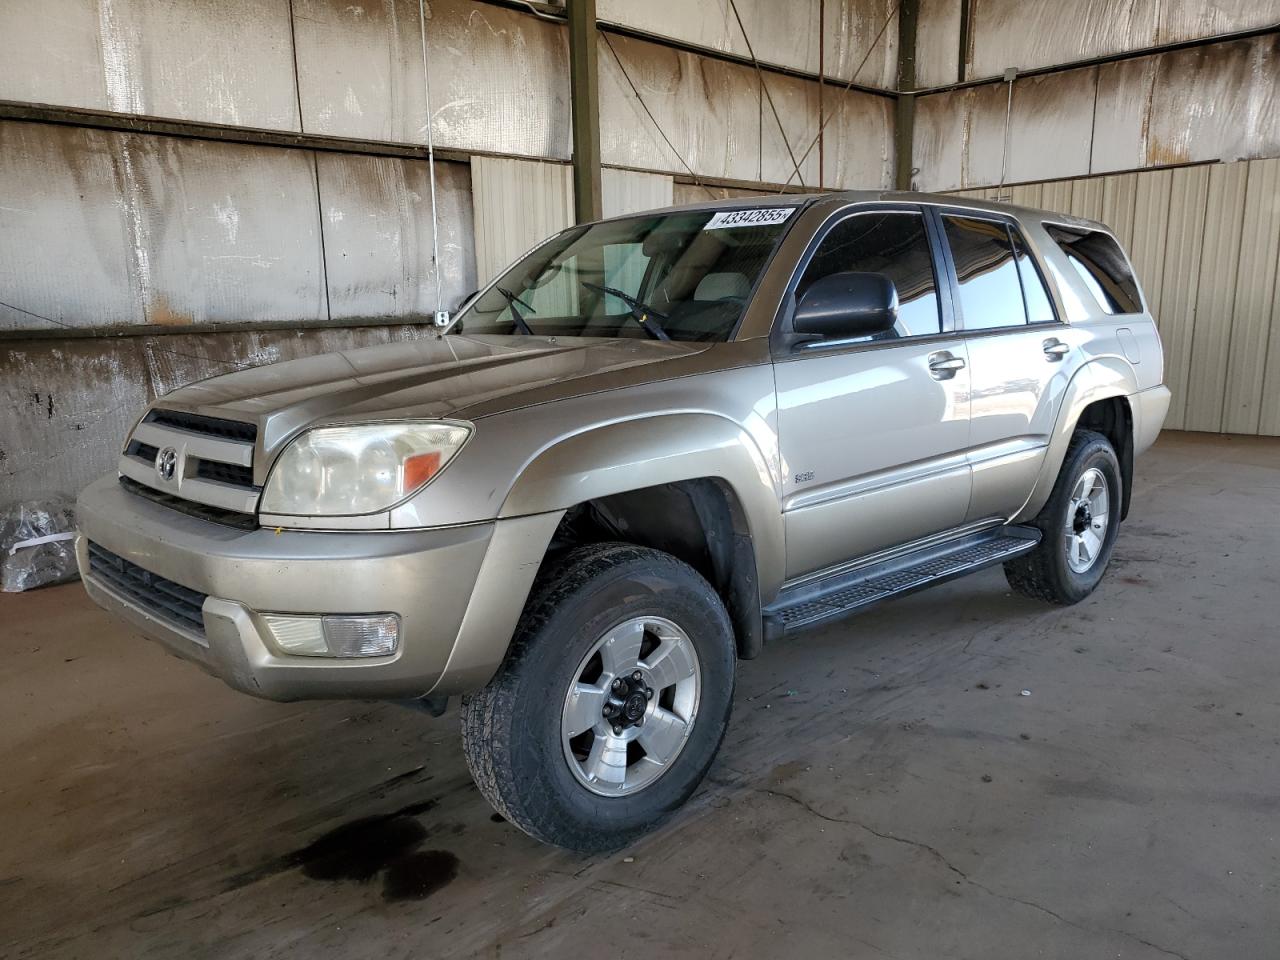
511	729
1044	574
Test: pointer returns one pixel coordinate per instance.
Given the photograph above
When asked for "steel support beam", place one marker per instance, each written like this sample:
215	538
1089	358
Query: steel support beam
584	94
904	115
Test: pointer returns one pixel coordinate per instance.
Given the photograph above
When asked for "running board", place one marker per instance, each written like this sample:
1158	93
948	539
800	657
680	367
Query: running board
831	598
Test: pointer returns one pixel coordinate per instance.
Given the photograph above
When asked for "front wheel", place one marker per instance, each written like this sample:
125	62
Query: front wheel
612	701
1079	525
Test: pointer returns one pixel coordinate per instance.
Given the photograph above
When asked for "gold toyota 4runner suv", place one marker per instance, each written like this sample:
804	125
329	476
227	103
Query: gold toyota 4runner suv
650	446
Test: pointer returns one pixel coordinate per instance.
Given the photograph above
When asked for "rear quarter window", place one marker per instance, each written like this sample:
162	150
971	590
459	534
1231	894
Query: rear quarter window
1101	264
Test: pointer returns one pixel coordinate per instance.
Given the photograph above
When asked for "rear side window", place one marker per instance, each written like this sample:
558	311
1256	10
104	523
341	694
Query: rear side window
1039	307
894	244
1101	264
990	290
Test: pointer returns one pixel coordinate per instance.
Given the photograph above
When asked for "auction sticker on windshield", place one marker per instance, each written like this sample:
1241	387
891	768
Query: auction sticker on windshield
759	217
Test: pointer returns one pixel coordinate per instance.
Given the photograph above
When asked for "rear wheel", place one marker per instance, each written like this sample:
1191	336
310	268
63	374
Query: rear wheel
612	702
1079	524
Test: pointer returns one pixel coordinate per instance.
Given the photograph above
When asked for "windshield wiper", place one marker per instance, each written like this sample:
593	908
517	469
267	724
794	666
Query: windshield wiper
639	309
512	300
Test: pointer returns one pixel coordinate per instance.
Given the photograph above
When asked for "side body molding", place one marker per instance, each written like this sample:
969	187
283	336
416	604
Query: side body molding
1098	379
632	454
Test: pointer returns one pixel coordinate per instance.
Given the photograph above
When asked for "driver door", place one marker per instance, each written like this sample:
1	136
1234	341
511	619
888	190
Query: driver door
873	431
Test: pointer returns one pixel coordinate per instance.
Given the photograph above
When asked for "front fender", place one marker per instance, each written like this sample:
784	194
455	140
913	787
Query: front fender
1096	380
632	454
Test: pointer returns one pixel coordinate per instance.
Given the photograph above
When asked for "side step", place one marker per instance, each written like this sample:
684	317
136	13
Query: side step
830	598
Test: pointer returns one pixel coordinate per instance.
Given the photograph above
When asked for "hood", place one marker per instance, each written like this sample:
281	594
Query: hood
455	376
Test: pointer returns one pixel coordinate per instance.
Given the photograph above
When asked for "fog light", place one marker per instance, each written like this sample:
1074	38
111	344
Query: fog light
375	635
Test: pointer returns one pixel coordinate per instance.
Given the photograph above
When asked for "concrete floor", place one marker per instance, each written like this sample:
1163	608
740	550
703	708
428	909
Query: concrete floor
885	790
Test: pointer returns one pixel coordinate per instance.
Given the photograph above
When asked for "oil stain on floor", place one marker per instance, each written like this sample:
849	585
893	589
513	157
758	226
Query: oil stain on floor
386	845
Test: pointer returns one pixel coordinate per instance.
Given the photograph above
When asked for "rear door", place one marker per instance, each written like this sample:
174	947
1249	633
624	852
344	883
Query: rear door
873	432
1016	348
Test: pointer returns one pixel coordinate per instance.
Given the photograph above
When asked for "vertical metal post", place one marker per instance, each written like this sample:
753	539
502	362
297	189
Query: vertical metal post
966	39
822	83
904	120
585	99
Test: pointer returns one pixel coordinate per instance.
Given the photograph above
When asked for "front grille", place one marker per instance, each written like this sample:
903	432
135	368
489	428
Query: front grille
201	511
231	473
209	426
168	601
191	459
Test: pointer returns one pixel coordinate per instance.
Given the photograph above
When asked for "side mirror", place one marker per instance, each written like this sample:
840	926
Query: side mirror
847	305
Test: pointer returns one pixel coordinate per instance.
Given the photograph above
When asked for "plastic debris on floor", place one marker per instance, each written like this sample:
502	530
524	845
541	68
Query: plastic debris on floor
37	544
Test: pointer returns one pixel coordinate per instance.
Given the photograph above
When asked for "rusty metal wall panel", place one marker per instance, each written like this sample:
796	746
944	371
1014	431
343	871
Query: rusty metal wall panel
65	406
64	240
937	42
859	141
629	191
710	109
1215	298
51	53
1256	317
1188	193
797	103
1211	103
211	244
1030	35
377	235
782	34
499	78
517	204
217	61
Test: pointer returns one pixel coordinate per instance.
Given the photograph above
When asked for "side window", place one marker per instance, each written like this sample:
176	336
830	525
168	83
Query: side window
1039	306
1101	264
895	244
990	291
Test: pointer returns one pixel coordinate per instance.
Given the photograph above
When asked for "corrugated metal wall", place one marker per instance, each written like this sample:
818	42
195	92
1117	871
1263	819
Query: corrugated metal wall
1205	242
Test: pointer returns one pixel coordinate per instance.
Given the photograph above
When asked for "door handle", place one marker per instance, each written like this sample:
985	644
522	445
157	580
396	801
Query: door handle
943	365
1055	349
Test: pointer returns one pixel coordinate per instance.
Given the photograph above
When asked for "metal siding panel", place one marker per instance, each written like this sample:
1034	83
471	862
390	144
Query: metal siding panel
709	109
1215	300
1119	194
959	138
782	34
1086	198
1056	196
377	233
1050	128
629	191
1028	195
858	142
214	245
1149	250
1256	323
51	53
797	104
499	78
937	42
517	204
64	230
1188	193
1043	33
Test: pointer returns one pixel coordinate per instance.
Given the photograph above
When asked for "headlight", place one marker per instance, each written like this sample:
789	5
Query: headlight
346	471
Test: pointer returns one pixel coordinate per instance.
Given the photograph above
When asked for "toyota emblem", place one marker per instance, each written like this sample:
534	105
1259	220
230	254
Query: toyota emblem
167	463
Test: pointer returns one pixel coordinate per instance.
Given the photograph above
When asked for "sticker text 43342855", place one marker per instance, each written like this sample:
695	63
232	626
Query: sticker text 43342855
756	217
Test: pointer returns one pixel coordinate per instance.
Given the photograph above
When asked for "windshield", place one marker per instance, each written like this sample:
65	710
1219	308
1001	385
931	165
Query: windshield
678	276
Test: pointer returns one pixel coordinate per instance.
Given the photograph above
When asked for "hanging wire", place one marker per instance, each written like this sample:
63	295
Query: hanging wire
767	95
847	87
1009	75
654	120
431	158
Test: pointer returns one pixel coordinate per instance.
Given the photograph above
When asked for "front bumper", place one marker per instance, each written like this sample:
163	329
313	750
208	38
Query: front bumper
458	592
